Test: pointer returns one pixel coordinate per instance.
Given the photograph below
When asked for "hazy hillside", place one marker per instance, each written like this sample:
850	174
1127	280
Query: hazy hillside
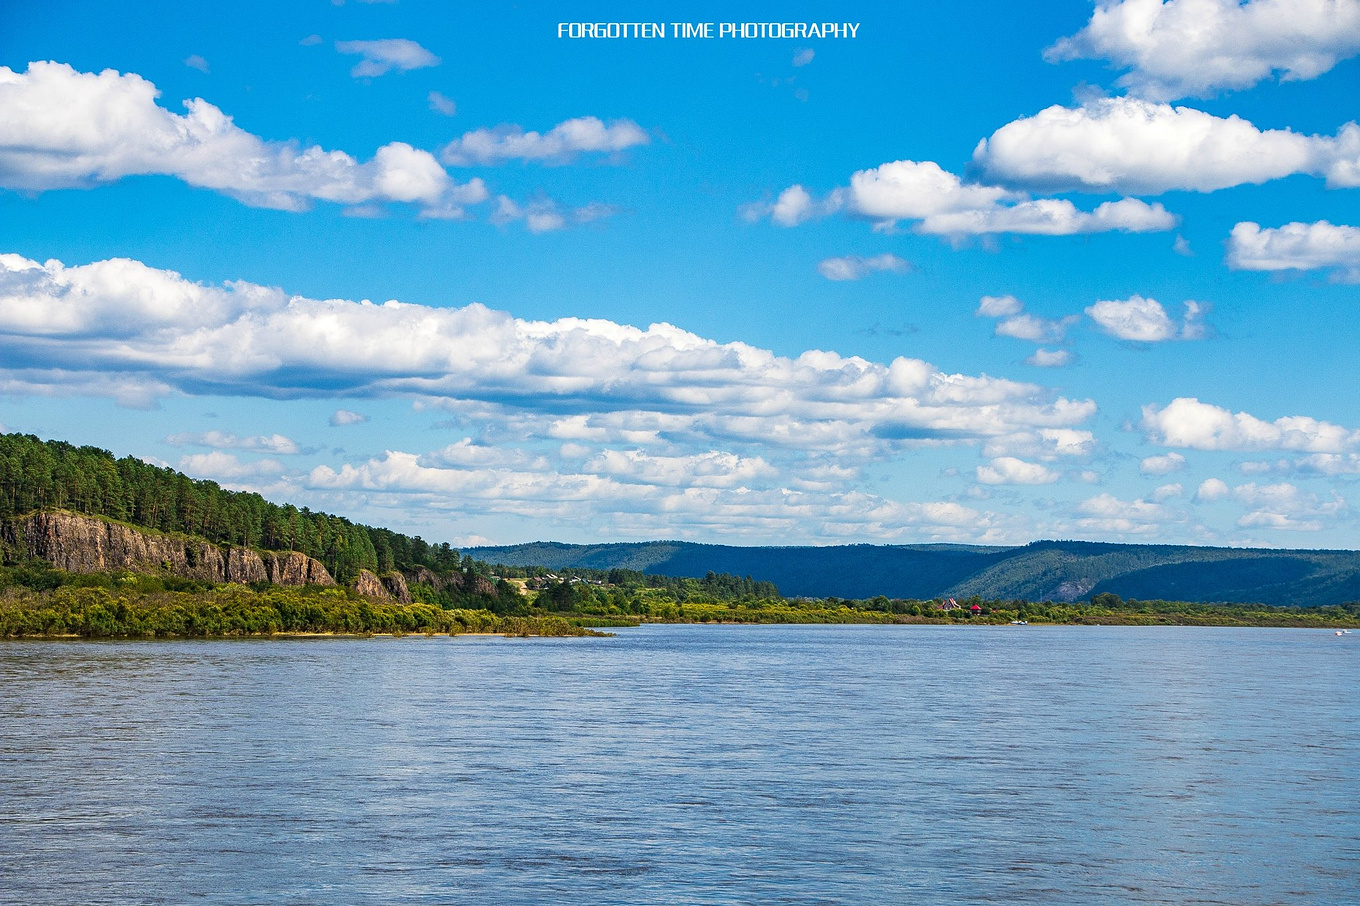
1055	570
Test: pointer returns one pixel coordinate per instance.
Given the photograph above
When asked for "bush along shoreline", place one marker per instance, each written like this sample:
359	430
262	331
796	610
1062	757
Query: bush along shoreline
95	612
38	602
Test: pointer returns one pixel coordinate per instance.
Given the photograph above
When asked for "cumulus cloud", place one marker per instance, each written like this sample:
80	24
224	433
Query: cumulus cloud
342	417
1047	444
1162	465
944	205
1296	246
1009	470
1139	147
441	104
385	55
60	128
642	495
1212	489
999	306
1196	48
1188	423
1282	506
220	440
226	467
543	215
1140	320
855	267
194	61
1049	358
125	324
1015	322
1167	492
1285	506
561	143
1106	513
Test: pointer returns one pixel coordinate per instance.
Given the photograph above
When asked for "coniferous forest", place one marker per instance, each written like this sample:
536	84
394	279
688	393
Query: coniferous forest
37	474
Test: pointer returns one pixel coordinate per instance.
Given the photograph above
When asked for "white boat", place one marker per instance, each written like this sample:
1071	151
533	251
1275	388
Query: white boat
1019	622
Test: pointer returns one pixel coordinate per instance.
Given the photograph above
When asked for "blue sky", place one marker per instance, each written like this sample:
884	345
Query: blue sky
983	273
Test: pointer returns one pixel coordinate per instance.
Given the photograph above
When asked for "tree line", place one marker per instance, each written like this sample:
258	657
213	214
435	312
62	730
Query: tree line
37	474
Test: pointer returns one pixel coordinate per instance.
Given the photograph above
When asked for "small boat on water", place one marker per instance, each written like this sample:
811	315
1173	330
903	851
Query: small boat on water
1026	623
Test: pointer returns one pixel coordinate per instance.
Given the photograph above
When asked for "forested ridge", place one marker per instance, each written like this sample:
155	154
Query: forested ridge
37	474
1041	570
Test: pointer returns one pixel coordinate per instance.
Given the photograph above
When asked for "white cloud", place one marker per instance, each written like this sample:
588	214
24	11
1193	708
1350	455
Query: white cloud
1285	506
1188	423
944	205
224	466
1049	358
1166	492
441	104
1046	444
803	56
566	140
543	215
342	417
1009	470
194	61
714	468
121	326
1106	513
382	56
1016	322
60	128
1035	329
1162	465
793	206
1296	246
1138	147
1276	506
1196	48
1141	320
220	440
1329	465
643	495
999	306
1212	489
855	267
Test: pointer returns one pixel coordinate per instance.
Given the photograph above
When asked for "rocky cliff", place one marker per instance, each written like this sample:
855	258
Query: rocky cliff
85	544
478	585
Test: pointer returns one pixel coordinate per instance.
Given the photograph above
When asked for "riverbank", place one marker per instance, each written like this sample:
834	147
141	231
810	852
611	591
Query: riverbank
235	610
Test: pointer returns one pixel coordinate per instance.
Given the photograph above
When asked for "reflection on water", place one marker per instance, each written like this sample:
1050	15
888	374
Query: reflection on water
678	764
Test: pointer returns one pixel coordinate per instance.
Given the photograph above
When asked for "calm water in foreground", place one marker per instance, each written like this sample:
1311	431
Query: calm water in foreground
679	764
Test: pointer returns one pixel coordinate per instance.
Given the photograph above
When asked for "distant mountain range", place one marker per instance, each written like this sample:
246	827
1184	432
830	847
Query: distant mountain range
1043	570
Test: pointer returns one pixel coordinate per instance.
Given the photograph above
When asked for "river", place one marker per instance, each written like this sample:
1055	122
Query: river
687	764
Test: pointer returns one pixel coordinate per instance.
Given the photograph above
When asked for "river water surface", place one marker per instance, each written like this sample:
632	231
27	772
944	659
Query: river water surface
687	764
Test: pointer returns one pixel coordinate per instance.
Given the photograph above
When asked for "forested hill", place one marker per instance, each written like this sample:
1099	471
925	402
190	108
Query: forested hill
37	474
1044	570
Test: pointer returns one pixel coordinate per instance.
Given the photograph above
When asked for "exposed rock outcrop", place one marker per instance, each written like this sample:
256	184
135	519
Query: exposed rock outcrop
293	568
370	585
395	583
86	544
479	585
